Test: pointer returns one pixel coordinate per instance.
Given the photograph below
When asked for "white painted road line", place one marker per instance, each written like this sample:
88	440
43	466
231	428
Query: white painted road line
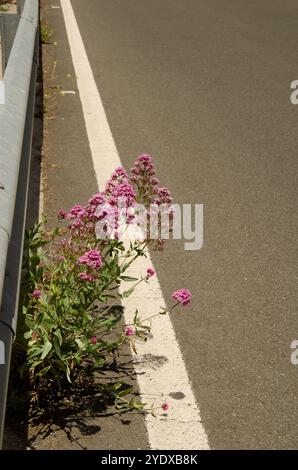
104	153
160	358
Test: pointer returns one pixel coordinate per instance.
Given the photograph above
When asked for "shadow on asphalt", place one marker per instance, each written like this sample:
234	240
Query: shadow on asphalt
75	419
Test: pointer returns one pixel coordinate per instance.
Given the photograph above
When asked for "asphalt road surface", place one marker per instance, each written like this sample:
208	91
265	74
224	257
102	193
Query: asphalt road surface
204	87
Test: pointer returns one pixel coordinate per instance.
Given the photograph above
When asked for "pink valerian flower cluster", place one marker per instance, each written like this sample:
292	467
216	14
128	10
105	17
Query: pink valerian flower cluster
149	192
124	191
77	212
92	215
118	177
93	340
62	214
83	218
183	296
163	196
87	277
96	200
66	247
91	258
36	294
143	167
93	261
143	175
88	212
120	191
117	205
102	207
150	272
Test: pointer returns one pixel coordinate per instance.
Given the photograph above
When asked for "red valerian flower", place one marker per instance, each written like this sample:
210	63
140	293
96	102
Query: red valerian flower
165	406
150	272
129	331
183	296
36	294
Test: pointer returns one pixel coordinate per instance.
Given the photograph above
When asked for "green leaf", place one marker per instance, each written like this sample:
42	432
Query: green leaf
136	316
114	387
80	343
46	349
99	362
57	347
163	311
28	334
35	351
59	336
138	405
34	261
121	406
38	243
127	391
127	293
68	373
129	278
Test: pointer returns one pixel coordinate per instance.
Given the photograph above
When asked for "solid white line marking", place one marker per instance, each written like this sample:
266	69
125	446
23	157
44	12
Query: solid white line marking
160	357
104	153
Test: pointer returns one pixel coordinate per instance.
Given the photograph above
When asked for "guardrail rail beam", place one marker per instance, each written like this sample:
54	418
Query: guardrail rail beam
16	127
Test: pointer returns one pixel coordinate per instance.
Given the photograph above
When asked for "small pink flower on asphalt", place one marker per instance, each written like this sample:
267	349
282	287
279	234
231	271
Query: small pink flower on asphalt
165	406
129	331
91	258
150	272
36	294
93	340
183	296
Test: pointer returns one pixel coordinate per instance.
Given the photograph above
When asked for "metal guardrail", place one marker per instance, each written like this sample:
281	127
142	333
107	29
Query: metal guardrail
19	36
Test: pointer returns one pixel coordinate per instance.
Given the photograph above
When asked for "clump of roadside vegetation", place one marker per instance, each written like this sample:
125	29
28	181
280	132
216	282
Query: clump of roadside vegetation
46	34
76	279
